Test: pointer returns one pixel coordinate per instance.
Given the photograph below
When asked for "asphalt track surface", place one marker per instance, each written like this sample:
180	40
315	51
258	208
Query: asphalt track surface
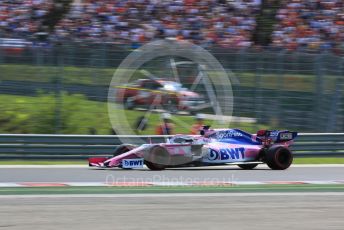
213	174
237	211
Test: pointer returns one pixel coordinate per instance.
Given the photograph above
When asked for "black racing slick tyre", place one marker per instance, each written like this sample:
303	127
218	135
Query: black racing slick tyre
279	158
157	158
123	149
248	166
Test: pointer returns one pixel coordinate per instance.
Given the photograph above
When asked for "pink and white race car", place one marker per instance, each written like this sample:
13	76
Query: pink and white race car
211	147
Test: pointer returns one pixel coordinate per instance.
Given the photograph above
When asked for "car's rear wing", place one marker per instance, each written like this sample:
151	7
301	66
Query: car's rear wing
276	136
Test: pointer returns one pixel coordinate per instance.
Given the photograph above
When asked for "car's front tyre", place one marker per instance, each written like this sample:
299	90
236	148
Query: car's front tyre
157	158
123	149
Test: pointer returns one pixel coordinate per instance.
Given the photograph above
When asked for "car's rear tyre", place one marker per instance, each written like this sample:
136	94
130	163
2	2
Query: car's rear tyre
278	158
248	166
157	158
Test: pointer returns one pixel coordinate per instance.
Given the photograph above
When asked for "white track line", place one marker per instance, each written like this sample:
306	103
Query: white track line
157	195
316	165
167	183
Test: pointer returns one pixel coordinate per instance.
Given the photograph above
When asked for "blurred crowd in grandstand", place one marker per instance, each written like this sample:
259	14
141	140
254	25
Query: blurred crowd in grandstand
138	21
312	24
301	24
22	18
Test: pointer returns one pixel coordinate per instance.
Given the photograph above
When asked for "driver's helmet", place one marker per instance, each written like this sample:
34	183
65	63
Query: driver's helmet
206	131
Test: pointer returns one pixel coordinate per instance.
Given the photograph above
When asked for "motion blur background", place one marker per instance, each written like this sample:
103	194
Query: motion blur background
57	58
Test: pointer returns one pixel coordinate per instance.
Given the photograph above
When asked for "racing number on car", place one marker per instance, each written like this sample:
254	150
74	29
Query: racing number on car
286	136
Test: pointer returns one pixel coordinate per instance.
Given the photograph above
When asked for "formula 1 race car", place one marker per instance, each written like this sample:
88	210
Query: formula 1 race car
211	147
169	95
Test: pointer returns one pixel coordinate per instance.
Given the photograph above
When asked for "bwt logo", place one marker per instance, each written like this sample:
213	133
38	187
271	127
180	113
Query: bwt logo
226	154
132	163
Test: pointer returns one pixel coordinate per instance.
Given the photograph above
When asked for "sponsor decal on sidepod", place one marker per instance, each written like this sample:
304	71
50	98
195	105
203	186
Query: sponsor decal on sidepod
226	154
132	163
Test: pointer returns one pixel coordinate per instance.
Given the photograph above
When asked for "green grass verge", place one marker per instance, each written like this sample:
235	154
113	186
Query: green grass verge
319	160
170	189
103	76
23	114
325	160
